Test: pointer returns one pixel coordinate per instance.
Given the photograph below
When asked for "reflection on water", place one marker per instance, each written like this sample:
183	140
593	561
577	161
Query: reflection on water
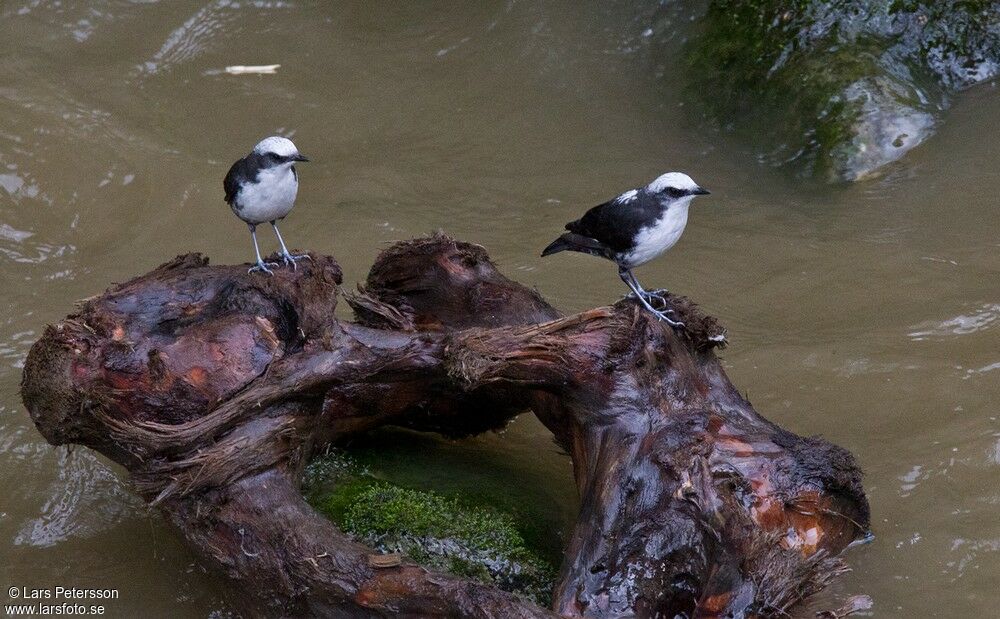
86	497
867	313
965	324
198	32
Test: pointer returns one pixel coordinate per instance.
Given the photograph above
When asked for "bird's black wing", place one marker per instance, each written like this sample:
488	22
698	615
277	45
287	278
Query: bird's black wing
243	170
616	222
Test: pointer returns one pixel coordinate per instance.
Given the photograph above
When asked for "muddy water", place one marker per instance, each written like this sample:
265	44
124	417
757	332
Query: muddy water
869	314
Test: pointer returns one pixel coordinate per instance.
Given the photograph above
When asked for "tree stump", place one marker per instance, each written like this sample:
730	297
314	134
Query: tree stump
213	388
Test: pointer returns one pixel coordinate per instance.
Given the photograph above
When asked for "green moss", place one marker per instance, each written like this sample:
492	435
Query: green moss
544	504
383	509
445	533
337	503
468	569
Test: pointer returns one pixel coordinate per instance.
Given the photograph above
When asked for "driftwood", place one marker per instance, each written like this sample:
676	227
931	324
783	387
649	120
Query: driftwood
213	388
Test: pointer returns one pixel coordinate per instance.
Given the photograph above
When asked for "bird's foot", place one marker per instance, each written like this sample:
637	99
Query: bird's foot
291	259
659	296
662	315
649	296
262	267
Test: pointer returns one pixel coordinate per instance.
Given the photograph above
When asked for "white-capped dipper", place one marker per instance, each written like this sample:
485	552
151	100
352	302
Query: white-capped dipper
634	228
261	187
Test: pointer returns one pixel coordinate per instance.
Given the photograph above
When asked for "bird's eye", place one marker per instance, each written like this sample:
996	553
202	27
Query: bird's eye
674	192
275	157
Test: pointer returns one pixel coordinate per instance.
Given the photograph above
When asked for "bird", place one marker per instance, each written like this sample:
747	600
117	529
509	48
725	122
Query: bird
261	188
634	228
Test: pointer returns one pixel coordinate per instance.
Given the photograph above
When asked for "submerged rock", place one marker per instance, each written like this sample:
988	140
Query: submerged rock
840	87
444	534
436	531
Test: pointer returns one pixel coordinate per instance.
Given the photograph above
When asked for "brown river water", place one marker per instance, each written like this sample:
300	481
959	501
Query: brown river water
869	314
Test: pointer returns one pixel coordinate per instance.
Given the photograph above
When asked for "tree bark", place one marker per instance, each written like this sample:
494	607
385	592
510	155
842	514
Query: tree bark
213	388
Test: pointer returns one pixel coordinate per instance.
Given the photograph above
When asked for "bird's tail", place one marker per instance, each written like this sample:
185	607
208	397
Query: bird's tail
577	242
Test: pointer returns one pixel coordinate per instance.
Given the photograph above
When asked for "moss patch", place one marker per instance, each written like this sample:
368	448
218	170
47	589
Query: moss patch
447	533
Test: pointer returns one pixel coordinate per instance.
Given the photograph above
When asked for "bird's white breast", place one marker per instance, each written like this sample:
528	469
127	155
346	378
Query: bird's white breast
270	198
651	241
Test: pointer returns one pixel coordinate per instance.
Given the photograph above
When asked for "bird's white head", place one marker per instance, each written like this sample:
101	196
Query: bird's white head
674	186
278	150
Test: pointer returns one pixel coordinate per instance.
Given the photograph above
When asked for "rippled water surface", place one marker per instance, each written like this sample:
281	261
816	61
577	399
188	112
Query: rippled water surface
869	314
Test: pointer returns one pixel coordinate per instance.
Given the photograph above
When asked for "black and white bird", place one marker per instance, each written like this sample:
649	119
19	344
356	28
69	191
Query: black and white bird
261	188
634	228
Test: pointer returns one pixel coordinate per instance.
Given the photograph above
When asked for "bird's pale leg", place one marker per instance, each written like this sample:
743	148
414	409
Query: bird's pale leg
287	257
261	265
658	295
640	294
649	295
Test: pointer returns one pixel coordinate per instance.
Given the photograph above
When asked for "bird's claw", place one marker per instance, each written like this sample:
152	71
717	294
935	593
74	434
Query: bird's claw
649	297
659	295
662	300
660	314
663	316
262	267
292	258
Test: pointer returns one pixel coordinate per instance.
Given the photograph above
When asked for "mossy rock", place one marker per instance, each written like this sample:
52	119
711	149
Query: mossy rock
444	533
839	87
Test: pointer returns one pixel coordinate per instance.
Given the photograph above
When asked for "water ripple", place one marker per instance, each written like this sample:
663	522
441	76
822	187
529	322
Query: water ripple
11	233
970	553
964	324
86	499
16	348
992	367
195	36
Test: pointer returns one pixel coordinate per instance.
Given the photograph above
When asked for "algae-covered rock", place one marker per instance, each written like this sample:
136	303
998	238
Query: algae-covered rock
443	533
841	87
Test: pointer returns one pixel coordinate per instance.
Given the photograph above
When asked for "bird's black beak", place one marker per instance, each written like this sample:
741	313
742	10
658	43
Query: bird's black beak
701	191
299	157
